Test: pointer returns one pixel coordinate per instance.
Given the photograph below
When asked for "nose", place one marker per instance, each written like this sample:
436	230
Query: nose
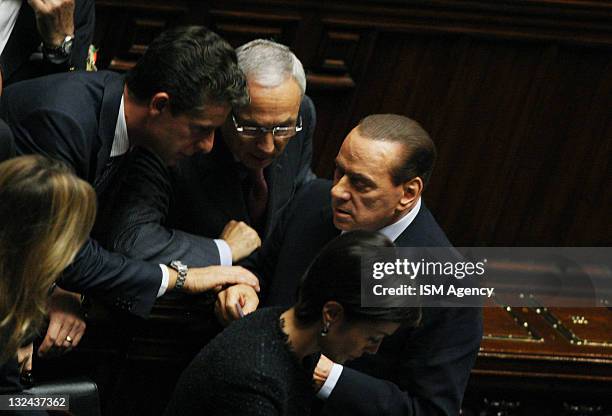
339	190
205	144
266	143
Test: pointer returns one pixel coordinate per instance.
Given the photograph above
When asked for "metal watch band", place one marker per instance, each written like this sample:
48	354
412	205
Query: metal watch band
182	270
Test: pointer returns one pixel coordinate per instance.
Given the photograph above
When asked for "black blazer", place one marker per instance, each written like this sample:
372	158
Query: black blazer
419	371
7	143
16	62
163	215
72	117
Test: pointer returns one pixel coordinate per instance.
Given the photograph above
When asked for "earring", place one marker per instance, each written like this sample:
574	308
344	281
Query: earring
325	329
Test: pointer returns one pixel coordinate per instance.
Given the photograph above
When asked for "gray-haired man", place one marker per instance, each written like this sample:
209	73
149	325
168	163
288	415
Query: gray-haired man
198	212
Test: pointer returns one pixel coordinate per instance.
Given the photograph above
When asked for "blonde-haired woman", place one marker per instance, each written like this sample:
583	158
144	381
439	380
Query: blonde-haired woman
46	214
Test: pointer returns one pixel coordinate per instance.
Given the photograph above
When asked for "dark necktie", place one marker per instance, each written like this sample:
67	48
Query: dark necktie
257	199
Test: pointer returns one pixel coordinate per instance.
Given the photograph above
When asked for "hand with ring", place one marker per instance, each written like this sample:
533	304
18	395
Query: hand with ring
66	323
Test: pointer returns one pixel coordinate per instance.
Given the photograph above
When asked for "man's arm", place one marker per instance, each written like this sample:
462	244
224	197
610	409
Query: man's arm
127	284
132	221
433	370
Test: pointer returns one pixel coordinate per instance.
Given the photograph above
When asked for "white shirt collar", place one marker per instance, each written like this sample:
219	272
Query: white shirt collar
121	141
392	231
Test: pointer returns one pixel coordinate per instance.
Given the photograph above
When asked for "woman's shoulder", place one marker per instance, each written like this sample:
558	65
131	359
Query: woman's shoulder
258	332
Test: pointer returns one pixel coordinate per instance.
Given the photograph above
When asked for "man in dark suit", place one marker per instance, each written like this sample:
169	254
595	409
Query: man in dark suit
381	170
91	120
46	37
262	156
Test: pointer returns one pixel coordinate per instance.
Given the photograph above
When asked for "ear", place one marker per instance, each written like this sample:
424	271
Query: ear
333	312
158	103
411	191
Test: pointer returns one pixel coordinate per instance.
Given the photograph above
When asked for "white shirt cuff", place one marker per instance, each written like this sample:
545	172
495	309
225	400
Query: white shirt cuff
330	383
225	252
165	280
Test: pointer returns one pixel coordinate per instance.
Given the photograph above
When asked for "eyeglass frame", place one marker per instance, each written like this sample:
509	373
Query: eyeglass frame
264	130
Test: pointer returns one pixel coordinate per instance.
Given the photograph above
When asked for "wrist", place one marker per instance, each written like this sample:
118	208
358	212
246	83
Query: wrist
172	275
59	49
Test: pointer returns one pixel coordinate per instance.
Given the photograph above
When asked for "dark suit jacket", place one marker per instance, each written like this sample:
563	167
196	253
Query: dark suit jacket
162	216
72	117
15	60
7	143
417	371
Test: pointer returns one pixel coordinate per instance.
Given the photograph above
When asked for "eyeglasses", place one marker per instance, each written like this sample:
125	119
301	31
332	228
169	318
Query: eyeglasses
279	132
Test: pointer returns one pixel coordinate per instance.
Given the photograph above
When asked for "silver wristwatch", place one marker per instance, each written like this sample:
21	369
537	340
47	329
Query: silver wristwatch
60	53
182	270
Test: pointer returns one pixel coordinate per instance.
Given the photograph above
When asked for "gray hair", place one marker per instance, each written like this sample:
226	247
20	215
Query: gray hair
269	63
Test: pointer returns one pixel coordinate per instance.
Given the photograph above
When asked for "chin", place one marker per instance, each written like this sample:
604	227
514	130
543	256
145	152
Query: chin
342	225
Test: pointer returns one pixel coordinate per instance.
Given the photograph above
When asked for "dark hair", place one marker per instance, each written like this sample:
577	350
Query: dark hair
420	150
335	275
193	65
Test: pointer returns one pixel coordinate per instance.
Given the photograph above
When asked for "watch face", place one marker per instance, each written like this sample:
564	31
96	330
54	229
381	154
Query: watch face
67	45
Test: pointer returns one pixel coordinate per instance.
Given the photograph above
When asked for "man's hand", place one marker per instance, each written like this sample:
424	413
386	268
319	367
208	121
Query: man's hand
241	239
214	278
321	372
24	358
54	20
226	307
66	324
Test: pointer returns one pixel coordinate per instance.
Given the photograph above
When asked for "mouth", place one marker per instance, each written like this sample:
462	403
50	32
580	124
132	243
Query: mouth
262	159
342	213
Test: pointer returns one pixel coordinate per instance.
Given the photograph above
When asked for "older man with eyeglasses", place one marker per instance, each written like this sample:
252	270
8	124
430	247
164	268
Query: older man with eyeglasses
216	208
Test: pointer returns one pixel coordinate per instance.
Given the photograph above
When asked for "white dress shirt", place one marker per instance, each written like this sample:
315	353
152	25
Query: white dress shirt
9	10
392	231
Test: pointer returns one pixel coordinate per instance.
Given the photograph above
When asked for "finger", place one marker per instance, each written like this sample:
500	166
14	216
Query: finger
221	314
222	299
62	340
247	277
50	338
233	299
234	279
78	333
250	280
28	363
231	311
